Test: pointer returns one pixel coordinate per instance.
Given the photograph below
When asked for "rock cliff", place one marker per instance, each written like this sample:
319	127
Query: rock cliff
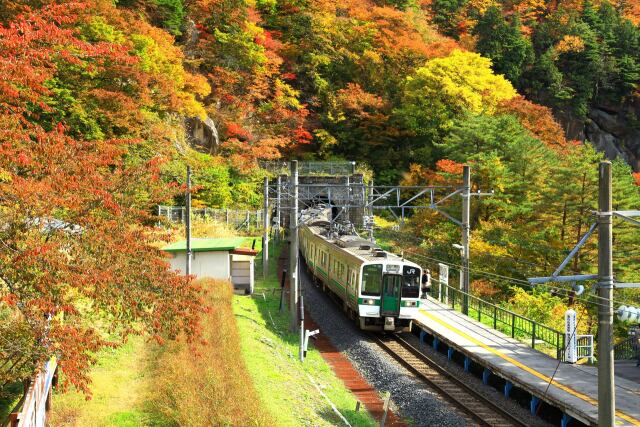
614	130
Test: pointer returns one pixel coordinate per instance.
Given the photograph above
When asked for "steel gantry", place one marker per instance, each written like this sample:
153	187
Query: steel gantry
345	197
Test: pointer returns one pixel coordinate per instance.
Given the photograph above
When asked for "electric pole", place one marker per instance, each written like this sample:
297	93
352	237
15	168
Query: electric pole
187	221
278	216
293	245
265	233
606	389
466	203
370	202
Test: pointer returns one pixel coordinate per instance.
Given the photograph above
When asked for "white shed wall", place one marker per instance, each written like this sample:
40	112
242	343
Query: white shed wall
204	264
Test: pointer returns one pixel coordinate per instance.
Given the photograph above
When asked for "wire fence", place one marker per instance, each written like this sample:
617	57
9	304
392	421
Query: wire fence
241	219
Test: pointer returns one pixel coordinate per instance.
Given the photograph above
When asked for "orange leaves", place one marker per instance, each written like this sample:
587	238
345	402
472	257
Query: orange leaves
570	43
449	167
353	97
537	119
636	177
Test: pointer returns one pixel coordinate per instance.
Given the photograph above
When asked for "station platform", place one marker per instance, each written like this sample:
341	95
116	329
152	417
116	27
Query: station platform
571	388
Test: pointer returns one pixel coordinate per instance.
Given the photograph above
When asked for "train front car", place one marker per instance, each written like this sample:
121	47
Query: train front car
389	294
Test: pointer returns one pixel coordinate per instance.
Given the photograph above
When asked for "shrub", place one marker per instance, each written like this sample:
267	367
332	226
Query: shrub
207	383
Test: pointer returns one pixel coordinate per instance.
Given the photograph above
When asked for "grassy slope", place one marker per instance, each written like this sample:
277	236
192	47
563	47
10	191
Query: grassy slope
125	389
121	383
271	355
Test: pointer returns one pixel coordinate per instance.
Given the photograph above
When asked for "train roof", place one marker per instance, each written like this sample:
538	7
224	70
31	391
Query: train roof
359	247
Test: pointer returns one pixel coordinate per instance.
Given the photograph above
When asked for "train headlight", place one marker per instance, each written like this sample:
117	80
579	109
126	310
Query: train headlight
412	303
369	301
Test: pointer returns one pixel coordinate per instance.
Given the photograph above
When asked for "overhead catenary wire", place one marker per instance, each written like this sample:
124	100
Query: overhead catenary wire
516	281
506	278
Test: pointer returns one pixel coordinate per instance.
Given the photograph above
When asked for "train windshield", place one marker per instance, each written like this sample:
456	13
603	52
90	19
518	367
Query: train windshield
410	282
372	280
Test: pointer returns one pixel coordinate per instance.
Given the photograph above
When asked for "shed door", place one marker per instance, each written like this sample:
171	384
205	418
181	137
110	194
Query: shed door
241	272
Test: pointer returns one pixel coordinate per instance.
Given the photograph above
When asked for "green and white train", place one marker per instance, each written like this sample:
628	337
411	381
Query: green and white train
379	289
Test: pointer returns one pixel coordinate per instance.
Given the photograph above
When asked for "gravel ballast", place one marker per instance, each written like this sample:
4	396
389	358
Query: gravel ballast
410	397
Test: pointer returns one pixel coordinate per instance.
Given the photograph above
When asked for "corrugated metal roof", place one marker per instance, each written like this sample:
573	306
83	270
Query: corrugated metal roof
206	245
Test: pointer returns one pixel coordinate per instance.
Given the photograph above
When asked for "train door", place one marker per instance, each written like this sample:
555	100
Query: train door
391	293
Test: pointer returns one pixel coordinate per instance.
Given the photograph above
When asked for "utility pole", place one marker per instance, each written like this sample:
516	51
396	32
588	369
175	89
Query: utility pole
265	233
606	389
293	245
466	203
370	202
278	216
188	221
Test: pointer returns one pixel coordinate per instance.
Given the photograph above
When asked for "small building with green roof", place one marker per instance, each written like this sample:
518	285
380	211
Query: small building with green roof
218	258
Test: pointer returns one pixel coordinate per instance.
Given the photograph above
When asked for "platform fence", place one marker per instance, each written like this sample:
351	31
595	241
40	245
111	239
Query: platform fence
539	336
627	349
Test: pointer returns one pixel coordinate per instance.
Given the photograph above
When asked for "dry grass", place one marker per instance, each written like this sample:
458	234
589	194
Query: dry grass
203	385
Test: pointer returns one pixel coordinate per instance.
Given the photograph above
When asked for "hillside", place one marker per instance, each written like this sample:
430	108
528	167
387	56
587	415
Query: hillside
104	102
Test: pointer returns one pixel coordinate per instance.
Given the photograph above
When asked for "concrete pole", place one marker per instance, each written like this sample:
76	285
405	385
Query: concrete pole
293	246
606	389
265	232
188	221
278	216
466	210
301	345
371	239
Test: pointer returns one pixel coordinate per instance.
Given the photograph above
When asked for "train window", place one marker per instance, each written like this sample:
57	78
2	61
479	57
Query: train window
372	279
410	282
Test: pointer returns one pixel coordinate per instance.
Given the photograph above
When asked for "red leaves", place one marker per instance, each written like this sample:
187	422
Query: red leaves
302	135
74	236
636	177
234	130
23	159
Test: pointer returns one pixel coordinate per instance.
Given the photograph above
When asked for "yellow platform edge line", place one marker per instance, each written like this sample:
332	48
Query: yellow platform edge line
525	368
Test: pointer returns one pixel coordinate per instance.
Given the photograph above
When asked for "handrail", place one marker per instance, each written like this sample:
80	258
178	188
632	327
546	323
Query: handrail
627	349
502	319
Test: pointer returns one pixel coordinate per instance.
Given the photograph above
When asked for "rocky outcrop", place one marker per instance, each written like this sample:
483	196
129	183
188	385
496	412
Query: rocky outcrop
615	133
203	134
614	130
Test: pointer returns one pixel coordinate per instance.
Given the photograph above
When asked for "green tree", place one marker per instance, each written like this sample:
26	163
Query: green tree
172	14
446	15
509	50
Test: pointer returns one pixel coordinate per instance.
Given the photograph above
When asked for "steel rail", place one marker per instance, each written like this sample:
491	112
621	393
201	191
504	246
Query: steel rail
470	401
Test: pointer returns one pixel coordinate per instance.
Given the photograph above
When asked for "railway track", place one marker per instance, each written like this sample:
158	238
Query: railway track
466	398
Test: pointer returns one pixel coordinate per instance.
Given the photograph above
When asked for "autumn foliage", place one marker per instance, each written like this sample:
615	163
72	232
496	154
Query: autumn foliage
77	271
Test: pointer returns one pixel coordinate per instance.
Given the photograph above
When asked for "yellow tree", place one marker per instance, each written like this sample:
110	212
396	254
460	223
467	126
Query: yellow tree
447	87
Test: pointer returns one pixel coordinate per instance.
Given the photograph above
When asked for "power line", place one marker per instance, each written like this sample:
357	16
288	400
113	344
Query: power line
509	279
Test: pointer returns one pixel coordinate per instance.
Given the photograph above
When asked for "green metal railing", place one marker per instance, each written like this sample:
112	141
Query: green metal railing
538	335
626	350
